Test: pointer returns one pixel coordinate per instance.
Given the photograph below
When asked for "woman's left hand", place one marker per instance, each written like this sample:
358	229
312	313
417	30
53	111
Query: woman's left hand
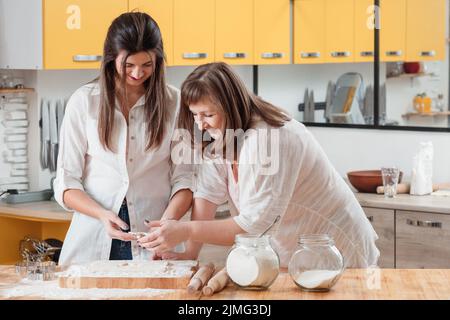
164	235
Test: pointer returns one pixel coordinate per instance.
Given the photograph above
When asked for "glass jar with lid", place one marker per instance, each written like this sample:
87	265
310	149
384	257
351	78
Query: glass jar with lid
252	263
317	264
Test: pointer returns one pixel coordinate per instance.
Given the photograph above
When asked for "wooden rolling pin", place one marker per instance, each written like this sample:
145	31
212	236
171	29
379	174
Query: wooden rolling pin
405	187
200	278
216	283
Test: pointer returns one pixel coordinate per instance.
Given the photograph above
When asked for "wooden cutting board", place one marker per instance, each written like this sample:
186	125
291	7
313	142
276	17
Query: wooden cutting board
129	274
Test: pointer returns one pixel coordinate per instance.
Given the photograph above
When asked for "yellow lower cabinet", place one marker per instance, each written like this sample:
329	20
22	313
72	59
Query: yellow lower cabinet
75	30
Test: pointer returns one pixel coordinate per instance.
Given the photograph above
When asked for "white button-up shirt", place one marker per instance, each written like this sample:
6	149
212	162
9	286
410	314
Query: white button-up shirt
305	190
147	178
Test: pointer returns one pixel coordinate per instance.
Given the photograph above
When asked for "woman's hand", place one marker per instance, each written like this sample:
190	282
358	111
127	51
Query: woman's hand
113	225
165	235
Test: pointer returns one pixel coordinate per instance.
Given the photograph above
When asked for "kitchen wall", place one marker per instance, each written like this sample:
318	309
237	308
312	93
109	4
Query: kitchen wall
348	149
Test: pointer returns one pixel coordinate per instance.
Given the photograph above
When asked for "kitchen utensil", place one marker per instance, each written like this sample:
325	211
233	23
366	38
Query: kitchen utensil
15	123
11	131
329	100
216	283
15	138
390	181
34	196
367	180
130	274
309	106
306	105
200	278
60	108
53	136
45	134
15	106
16	115
271	225
348	99
411	67
16	145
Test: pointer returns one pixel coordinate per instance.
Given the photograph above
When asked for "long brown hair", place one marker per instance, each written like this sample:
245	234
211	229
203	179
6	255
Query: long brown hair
219	84
133	32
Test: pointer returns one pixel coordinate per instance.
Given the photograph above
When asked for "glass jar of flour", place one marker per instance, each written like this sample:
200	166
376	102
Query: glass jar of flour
317	264
252	263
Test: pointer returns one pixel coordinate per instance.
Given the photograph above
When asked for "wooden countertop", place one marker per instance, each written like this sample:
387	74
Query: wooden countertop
428	203
50	211
43	211
355	284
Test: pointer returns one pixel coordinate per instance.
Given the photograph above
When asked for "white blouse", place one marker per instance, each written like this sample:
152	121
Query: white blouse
148	179
306	192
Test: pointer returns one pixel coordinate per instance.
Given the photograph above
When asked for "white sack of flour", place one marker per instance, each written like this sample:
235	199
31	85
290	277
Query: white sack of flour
422	172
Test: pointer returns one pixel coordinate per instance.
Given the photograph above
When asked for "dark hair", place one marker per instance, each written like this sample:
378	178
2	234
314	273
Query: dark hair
133	32
219	84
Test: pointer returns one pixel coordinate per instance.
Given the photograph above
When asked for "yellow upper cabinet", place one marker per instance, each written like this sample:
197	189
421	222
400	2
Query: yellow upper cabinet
339	30
193	35
364	30
162	12
392	30
75	30
309	31
272	31
425	35
234	31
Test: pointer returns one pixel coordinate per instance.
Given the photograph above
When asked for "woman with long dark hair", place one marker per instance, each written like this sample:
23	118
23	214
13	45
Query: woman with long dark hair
114	165
273	173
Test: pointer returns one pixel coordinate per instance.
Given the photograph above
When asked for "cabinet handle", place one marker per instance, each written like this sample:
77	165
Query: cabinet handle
424	224
431	53
370	218
271	55
194	55
367	54
307	55
340	54
234	55
86	58
394	53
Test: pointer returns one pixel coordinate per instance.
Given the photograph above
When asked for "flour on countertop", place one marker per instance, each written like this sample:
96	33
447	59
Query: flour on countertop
51	290
132	268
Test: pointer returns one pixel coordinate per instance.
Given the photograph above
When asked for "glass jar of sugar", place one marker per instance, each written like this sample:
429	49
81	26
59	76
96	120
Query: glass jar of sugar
252	263
317	264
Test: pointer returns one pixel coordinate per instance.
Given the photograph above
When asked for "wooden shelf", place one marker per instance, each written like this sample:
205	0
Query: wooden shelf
23	90
426	114
411	75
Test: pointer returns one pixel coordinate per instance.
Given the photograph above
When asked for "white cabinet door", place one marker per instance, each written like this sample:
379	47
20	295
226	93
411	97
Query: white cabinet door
21	34
383	221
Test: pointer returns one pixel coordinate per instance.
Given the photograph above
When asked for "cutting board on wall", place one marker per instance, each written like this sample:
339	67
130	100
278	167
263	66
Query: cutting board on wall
129	274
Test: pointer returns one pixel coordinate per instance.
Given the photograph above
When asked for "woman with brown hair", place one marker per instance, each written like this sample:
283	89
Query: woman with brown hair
114	165
271	170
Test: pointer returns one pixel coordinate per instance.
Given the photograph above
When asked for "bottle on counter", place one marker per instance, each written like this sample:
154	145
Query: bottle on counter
317	264
252	263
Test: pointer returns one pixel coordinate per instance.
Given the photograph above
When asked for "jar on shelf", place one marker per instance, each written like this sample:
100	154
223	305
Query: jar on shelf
317	264
252	263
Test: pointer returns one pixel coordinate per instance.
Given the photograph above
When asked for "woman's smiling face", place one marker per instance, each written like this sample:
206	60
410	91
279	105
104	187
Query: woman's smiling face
208	117
138	67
